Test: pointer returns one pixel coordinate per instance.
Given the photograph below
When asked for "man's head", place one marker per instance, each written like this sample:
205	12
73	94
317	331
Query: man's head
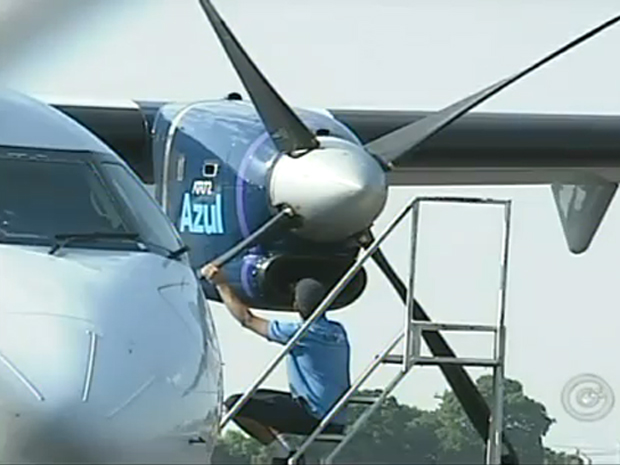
308	295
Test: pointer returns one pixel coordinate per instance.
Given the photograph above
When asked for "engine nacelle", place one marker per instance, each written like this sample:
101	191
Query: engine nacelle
219	176
268	282
277	276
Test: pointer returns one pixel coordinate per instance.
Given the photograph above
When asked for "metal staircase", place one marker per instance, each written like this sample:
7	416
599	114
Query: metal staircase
410	339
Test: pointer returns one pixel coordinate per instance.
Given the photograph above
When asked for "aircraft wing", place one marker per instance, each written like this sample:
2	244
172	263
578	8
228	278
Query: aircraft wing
479	148
499	148
125	128
578	155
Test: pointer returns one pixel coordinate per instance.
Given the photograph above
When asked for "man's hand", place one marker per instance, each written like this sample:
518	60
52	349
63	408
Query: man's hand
213	273
236	307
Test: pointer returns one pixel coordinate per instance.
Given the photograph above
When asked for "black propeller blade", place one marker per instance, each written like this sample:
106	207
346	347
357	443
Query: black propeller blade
393	145
288	132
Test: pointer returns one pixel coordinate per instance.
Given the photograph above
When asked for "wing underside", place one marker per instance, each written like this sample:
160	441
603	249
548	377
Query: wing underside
499	148
479	149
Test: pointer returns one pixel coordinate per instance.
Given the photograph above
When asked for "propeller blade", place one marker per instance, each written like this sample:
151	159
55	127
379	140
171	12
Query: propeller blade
465	390
288	132
395	144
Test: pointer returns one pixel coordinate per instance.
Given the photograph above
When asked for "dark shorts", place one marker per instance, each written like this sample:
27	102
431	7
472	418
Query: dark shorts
280	411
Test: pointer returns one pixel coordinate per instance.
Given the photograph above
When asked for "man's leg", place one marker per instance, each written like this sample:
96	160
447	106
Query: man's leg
268	414
262	433
265	435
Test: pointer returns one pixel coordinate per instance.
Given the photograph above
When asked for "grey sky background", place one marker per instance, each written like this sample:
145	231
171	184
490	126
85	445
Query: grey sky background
403	54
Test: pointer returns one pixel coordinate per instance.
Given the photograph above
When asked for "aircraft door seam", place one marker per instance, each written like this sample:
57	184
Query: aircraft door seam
174	125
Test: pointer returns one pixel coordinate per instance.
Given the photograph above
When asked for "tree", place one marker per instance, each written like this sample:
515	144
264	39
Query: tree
398	433
525	424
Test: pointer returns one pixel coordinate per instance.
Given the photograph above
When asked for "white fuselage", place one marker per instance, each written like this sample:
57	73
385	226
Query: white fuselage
105	356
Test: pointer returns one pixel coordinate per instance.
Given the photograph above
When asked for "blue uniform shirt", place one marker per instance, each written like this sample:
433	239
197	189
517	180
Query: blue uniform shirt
318	365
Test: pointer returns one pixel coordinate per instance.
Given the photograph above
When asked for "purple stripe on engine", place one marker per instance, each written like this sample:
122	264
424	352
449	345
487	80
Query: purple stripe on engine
241	184
246	270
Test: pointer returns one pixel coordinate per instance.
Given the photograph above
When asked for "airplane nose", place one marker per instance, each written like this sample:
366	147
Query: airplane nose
73	393
84	374
338	190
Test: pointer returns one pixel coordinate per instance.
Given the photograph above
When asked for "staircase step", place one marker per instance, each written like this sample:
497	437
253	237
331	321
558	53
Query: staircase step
362	400
330	437
432	326
398	359
463	361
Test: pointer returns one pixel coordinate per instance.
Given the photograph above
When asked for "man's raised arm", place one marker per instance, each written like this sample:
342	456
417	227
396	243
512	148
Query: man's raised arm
237	308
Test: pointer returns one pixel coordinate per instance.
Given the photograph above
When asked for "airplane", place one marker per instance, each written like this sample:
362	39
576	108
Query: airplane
108	351
269	192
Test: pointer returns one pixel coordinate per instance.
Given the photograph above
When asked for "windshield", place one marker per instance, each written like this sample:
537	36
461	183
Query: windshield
150	220
50	195
42	196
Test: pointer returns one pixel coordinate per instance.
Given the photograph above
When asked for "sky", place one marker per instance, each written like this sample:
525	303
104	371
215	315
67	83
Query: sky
562	311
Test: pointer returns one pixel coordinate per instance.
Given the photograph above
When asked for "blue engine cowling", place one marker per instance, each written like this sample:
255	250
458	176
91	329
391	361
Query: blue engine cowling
212	164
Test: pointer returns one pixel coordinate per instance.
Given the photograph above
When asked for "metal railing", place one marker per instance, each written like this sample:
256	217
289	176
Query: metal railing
412	335
329	299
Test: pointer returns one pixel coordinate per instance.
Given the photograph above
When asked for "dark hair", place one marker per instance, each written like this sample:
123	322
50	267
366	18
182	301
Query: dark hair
308	295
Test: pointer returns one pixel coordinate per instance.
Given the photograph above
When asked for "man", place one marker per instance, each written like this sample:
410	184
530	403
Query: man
318	368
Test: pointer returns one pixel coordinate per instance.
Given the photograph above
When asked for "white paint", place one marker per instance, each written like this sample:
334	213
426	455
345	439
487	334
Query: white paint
30	123
51	308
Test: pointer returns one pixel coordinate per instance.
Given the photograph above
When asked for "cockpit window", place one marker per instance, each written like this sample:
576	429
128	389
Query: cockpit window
41	197
154	226
48	196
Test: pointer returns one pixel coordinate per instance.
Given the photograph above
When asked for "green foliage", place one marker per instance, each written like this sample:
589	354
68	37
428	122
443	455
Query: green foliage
525	423
398	433
561	458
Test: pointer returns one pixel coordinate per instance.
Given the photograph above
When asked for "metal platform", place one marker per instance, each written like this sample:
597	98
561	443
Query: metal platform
410	340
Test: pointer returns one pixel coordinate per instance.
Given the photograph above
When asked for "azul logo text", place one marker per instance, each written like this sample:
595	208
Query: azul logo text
202	218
